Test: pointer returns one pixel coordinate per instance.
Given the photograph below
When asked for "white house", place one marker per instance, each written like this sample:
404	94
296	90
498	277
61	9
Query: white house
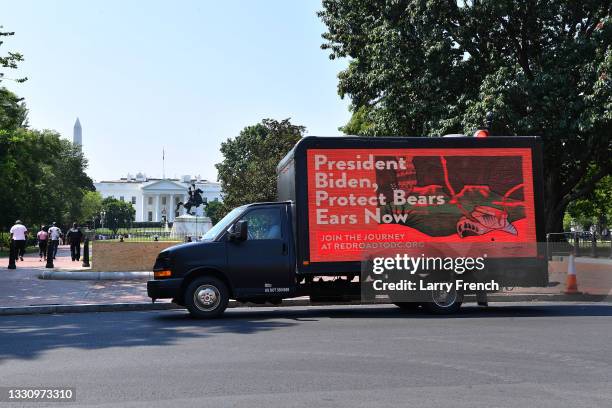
153	199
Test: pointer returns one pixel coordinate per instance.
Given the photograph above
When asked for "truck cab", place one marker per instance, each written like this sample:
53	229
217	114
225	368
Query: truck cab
249	255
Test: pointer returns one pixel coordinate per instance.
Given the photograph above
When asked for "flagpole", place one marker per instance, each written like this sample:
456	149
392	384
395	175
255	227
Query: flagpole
163	163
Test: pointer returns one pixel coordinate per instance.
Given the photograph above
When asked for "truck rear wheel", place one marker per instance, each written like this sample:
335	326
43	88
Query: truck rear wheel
443	302
206	298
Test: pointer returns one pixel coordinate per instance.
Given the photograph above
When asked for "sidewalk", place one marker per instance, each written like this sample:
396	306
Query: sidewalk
21	287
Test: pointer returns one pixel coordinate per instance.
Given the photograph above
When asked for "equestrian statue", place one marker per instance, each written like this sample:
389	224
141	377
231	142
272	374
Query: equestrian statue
195	200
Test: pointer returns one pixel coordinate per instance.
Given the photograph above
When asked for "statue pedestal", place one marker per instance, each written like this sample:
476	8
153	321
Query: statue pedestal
190	225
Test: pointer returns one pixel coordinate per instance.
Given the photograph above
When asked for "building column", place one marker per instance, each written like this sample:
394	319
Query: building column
185	199
157	217
143	209
170	214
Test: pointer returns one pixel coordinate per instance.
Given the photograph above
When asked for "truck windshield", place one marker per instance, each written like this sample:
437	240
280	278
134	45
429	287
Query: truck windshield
223	224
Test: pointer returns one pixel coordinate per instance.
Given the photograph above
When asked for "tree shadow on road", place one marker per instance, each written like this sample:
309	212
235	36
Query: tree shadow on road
27	337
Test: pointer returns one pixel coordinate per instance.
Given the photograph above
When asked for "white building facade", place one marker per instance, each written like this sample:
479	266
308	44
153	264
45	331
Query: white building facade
156	199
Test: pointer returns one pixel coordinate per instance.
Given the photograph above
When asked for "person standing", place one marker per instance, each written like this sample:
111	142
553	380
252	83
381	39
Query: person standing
74	237
18	235
54	236
43	238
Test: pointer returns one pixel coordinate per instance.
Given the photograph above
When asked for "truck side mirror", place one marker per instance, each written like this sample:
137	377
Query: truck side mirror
240	231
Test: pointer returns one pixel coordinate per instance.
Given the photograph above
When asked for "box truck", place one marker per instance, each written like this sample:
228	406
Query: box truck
342	200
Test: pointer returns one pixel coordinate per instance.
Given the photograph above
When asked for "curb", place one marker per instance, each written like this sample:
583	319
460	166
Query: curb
81	275
129	307
86	308
539	297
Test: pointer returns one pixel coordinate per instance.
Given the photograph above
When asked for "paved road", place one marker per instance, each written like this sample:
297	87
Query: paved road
517	355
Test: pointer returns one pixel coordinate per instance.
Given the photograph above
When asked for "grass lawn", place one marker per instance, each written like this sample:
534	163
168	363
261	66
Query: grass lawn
4	252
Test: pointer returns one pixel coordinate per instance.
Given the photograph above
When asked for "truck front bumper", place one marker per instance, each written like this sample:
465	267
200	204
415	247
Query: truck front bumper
164	288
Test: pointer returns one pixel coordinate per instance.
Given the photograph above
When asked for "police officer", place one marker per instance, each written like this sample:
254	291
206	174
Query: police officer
74	237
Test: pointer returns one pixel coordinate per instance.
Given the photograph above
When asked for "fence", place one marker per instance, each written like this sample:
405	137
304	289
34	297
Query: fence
141	234
578	243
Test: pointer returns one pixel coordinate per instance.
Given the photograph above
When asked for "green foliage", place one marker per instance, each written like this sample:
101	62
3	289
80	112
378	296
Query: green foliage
248	170
436	67
215	211
13	113
596	207
91	205
118	214
11	59
359	124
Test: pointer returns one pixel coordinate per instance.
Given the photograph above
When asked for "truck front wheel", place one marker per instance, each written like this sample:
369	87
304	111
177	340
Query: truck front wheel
206	298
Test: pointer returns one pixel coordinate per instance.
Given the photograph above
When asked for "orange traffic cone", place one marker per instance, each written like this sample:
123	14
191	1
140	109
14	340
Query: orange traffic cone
571	284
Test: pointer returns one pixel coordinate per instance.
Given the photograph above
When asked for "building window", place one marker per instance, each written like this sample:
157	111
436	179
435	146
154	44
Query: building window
163	200
150	216
133	199
216	199
150	200
121	198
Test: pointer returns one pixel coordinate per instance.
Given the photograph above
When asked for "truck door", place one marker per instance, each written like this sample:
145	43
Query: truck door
262	264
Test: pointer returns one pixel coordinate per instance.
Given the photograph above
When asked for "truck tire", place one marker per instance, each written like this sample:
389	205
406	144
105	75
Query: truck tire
441	304
206	298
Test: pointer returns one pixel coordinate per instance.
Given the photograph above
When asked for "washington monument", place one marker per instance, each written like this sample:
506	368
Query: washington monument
77	134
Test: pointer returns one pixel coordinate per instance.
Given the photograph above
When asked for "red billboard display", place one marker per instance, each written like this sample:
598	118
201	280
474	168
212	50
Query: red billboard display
361	197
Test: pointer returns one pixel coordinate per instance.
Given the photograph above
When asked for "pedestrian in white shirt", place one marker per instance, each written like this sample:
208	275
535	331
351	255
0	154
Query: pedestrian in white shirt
18	234
54	236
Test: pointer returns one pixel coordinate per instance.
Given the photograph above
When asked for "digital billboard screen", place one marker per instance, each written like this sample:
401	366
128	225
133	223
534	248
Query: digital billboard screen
360	198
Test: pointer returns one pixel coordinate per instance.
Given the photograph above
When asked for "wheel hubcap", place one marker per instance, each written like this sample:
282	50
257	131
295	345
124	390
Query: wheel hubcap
206	297
443	298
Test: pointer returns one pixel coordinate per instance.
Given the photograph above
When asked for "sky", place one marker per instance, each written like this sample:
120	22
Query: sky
180	76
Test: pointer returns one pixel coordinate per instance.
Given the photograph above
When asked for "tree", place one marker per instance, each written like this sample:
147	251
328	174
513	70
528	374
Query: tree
215	211
13	113
248	170
91	205
436	67
117	213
